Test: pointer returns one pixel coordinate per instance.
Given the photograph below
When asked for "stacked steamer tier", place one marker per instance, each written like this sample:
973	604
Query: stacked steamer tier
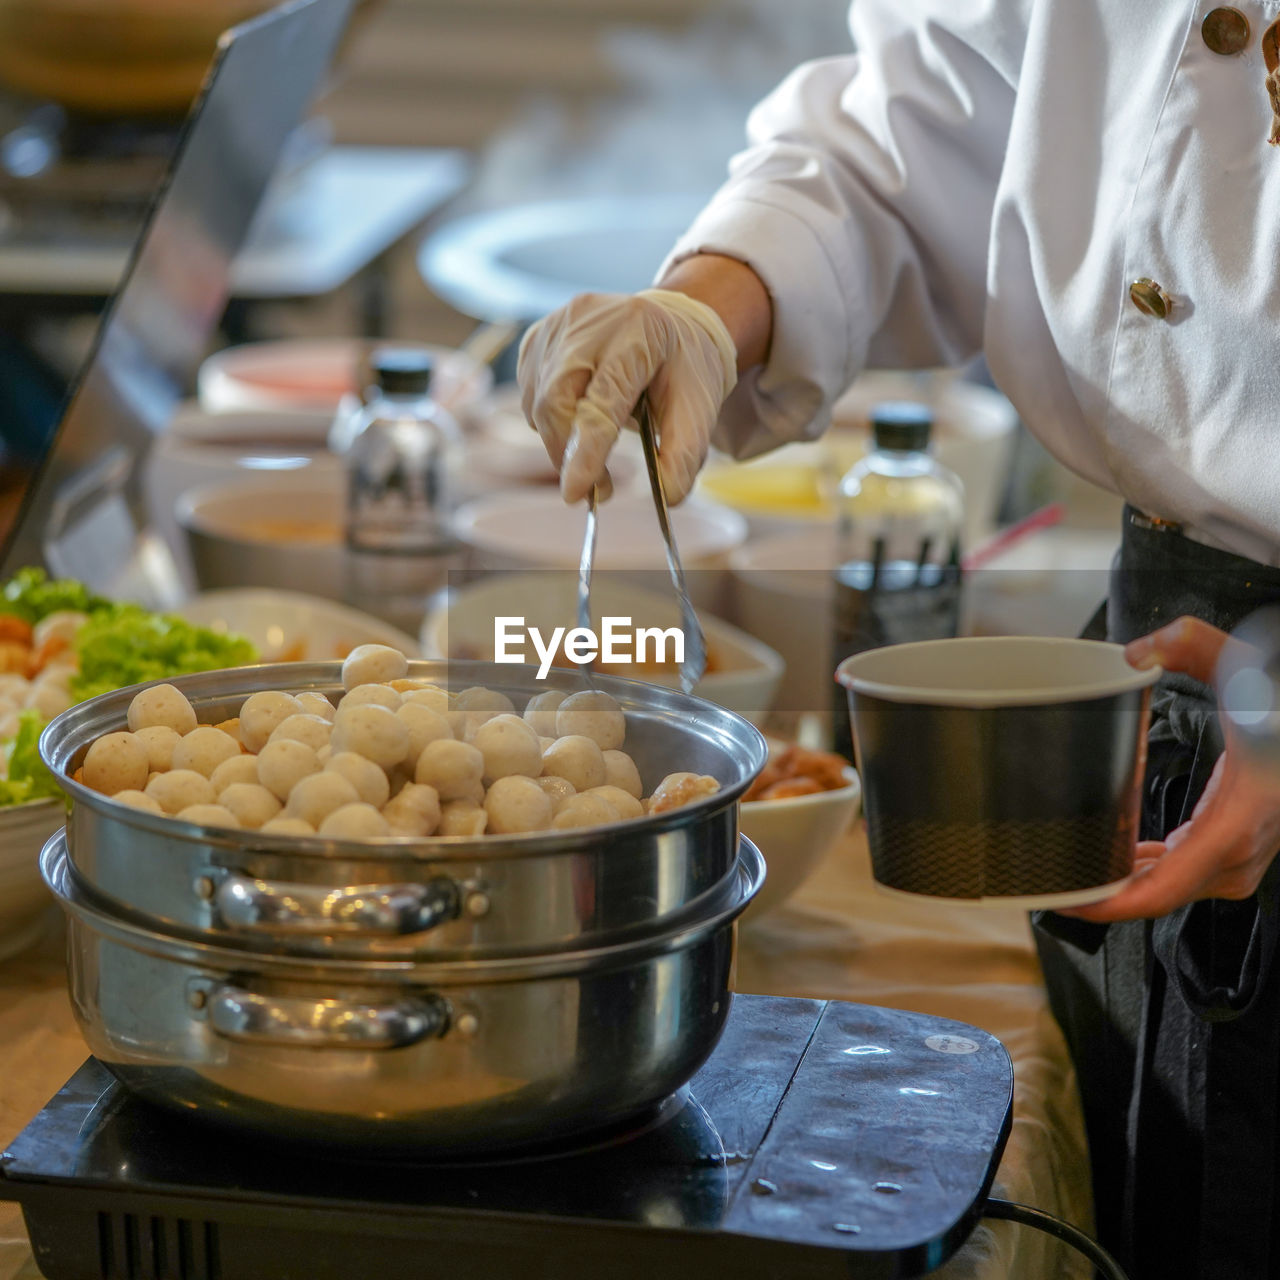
458	994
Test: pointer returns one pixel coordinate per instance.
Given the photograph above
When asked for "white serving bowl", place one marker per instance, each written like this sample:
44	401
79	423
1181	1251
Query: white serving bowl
525	529
793	489
315	375
462	626
287	626
794	835
24	901
235	533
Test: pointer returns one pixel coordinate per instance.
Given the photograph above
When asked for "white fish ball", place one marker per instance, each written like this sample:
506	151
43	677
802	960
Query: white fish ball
486	702
540	711
252	804
49	696
585	811
626	804
203	749
355	822
454	768
138	800
366	777
430	696
282	765
116	762
560	790
516	804
379	695
208	815
283	826
592	714
424	726
261	712
679	789
302	727
315	704
509	746
620	771
180	789
371	731
577	758
316	796
62	624
462	818
241	768
414	812
373	664
162	704
159	741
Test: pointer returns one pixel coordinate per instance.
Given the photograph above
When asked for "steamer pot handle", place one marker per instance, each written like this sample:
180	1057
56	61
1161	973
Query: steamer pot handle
285	1021
263	906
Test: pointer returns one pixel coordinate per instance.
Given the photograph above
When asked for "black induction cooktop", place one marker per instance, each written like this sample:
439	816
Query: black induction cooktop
820	1140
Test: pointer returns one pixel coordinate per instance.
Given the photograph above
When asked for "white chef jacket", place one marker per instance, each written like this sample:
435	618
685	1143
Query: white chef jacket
992	175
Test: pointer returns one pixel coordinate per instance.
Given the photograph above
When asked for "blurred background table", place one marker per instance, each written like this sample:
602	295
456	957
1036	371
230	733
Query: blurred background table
322	225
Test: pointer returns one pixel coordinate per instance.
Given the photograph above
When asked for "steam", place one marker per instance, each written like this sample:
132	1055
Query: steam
679	116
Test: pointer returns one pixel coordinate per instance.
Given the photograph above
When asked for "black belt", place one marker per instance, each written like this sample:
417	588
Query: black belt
1159	574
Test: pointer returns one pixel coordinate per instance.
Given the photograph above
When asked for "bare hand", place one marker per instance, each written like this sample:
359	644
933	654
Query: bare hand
1233	834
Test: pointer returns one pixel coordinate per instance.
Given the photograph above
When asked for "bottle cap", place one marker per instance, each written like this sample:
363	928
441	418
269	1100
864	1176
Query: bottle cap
901	424
402	371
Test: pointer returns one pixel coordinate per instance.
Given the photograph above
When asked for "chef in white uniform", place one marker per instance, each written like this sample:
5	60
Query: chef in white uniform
1085	192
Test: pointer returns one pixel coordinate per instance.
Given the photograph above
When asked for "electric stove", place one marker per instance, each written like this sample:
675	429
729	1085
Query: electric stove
821	1139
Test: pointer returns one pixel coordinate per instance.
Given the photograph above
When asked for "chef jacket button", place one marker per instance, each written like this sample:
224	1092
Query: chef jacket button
1150	298
1225	30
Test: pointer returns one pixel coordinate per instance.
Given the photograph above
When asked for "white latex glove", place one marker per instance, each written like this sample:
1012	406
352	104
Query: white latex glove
583	368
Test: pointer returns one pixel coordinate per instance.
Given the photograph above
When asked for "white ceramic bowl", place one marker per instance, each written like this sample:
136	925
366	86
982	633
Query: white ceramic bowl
794	835
287	626
255	532
523	529
746	674
310	376
24	901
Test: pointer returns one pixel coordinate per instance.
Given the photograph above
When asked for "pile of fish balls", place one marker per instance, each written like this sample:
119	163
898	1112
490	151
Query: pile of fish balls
396	756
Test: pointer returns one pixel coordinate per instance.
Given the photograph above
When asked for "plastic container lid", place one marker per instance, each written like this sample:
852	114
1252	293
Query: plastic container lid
901	424
401	371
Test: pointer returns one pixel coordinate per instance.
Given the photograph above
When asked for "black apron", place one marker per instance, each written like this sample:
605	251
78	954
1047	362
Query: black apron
1174	1024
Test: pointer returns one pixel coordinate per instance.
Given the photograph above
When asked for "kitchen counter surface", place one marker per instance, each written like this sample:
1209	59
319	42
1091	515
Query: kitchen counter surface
837	938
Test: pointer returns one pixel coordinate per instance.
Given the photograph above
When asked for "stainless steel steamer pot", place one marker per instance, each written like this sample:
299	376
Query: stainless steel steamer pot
408	897
463	1056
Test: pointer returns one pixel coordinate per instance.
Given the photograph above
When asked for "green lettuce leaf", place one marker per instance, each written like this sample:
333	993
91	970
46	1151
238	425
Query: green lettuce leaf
28	778
31	594
123	644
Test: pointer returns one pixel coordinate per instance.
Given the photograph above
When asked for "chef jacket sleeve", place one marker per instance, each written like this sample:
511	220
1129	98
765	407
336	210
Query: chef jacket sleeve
864	203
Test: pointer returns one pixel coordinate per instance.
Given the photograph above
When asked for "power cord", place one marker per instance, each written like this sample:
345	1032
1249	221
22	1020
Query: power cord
1041	1221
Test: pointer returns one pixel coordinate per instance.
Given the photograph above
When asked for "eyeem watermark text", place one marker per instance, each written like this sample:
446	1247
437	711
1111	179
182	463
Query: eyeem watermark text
618	642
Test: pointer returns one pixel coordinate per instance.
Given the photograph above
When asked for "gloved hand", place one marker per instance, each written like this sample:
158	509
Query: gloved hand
583	368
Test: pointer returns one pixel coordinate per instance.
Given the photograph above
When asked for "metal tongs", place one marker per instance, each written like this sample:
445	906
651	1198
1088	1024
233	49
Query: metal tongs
584	576
693	665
